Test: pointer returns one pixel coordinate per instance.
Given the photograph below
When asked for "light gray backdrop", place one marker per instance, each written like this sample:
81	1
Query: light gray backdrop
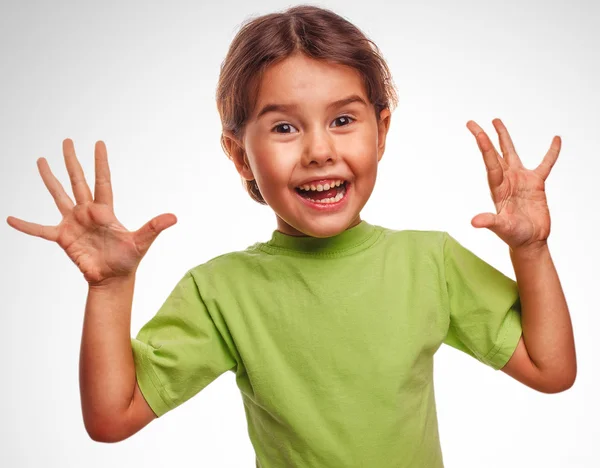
141	76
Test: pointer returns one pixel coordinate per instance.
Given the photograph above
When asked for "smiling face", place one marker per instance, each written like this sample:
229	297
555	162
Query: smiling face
312	125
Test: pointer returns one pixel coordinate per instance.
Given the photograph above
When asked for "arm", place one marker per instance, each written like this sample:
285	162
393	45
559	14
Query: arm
112	405
108	256
545	356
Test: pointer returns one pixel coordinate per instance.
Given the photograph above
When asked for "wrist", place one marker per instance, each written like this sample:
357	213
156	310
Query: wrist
531	251
112	283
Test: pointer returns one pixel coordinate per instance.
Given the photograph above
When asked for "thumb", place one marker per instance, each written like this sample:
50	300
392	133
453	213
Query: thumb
486	220
145	236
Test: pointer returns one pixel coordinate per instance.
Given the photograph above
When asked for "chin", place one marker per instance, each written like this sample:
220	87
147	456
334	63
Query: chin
324	227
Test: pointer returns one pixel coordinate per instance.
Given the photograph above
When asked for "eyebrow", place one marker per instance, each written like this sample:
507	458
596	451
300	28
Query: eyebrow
288	107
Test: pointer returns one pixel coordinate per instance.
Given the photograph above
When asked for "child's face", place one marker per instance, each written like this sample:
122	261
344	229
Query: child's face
287	147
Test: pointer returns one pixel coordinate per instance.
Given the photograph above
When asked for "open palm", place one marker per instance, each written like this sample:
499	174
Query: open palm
89	231
522	217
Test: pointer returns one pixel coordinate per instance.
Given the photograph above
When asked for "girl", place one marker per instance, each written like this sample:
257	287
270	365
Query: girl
331	325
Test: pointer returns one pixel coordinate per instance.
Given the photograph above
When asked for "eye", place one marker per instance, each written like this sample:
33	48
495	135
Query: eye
284	126
345	118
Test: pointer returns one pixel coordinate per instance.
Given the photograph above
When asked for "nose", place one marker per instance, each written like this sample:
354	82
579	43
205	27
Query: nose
319	148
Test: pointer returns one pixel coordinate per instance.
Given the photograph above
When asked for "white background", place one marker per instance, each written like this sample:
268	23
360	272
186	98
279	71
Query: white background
141	76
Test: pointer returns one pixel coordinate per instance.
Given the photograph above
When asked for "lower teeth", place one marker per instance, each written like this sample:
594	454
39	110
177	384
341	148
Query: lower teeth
326	201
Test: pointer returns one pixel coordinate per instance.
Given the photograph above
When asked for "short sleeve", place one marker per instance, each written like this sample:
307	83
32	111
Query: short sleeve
484	307
180	350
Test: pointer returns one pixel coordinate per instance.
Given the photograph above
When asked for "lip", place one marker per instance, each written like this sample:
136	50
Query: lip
328	207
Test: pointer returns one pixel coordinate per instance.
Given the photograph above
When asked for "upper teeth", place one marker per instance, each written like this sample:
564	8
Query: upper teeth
320	187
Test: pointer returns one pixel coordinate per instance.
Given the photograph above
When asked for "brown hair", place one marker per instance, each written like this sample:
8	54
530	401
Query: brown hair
318	33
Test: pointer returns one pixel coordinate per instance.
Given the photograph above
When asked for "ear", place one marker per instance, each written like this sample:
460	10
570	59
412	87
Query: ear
385	117
237	154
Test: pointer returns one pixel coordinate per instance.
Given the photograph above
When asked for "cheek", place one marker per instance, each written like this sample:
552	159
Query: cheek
362	152
364	165
363	142
274	166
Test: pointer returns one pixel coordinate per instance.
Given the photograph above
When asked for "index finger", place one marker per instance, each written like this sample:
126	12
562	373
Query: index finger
494	164
103	188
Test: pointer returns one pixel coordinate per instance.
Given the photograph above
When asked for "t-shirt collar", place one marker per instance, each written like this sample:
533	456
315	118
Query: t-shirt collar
346	240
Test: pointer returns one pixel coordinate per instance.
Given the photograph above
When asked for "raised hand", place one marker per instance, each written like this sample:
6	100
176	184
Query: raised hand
89	232
522	218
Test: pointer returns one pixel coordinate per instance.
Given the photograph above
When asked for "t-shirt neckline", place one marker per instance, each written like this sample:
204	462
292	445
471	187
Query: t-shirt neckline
351	240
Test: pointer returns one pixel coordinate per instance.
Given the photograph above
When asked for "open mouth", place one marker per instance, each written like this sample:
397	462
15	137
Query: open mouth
327	195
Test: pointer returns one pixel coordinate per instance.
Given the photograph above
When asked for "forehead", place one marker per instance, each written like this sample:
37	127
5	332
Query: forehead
301	80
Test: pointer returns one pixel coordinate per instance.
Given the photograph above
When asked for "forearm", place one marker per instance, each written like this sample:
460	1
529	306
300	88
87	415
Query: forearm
106	366
547	328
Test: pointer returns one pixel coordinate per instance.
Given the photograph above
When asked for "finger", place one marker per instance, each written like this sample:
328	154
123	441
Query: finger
80	187
483	220
543	170
145	236
491	221
506	145
494	164
103	189
62	200
45	232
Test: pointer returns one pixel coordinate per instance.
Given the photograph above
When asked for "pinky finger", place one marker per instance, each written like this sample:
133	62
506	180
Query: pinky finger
543	170
45	232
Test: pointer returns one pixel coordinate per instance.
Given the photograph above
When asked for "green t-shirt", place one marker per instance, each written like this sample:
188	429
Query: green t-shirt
331	341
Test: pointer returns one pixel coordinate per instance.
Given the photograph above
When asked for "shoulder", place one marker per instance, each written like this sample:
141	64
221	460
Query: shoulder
227	268
414	238
413	248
